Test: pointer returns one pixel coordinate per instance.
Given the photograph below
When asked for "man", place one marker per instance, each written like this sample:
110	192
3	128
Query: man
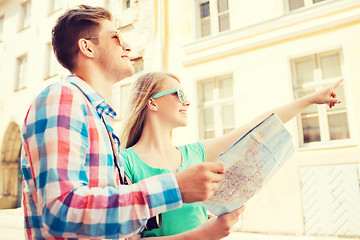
72	176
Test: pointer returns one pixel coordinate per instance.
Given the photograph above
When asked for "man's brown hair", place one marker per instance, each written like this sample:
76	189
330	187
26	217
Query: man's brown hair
80	22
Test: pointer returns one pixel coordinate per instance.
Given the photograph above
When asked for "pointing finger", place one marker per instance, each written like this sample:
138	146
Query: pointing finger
337	84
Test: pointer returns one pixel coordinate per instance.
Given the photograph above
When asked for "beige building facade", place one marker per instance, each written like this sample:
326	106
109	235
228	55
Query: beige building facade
267	54
236	59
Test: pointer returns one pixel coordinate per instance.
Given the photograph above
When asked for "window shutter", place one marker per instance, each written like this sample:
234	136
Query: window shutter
331	200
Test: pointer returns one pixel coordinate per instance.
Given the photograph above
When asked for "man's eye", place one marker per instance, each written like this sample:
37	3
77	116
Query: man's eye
116	37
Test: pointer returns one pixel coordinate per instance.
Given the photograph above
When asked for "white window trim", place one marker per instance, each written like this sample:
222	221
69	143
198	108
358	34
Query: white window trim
352	141
51	63
214	18
307	4
216	105
22	23
17	86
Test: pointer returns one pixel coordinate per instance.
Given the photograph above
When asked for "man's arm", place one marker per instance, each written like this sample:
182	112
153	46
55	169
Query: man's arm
60	183
70	193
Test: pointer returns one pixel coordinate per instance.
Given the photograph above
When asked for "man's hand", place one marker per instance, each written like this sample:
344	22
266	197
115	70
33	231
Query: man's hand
198	182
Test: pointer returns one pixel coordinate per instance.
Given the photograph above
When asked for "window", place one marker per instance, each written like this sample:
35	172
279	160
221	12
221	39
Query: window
223	15
331	200
1	28
126	4
216	106
55	5
205	19
25	21
295	4
319	124
22	72
51	62
214	16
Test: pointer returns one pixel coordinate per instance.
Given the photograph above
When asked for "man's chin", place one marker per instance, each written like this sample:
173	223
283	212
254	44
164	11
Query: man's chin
127	74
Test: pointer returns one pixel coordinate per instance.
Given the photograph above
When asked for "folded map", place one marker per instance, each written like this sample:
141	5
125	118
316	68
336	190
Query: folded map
250	163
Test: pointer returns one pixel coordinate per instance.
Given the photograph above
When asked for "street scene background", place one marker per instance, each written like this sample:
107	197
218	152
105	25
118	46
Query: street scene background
236	59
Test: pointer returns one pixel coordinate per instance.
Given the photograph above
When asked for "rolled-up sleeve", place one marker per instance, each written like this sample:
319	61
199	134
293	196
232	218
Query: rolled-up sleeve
68	186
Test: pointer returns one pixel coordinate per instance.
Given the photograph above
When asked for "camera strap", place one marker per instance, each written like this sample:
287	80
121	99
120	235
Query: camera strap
122	177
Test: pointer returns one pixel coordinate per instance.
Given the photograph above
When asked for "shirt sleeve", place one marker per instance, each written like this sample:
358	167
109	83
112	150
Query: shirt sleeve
55	138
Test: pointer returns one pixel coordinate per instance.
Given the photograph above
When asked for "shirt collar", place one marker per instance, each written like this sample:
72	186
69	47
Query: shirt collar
95	99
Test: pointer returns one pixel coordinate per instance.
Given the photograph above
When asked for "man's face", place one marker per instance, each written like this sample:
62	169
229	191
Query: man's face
112	57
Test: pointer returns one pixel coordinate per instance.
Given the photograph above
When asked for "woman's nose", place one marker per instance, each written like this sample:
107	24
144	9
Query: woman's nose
187	102
126	47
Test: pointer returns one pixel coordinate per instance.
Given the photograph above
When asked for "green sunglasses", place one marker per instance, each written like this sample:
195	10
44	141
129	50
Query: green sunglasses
180	94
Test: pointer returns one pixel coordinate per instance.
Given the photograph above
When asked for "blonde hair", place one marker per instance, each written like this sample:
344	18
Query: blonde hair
142	90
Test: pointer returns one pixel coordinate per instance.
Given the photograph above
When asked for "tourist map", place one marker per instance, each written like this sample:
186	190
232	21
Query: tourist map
250	163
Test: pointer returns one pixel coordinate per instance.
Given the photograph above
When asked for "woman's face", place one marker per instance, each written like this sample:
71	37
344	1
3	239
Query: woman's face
170	109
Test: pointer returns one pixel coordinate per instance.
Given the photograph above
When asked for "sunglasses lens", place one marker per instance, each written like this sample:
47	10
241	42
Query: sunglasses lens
181	96
121	41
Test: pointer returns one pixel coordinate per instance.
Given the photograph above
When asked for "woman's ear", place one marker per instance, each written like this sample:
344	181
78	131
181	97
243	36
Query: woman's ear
86	48
151	104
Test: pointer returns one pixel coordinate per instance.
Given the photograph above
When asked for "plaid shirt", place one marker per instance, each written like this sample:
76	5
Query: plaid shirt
71	185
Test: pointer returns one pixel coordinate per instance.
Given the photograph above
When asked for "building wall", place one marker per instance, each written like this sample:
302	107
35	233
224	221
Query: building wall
257	50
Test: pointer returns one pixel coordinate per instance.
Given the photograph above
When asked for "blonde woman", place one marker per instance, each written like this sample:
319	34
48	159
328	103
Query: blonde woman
157	106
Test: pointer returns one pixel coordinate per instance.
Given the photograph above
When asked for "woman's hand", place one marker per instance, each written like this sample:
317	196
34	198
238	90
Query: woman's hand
213	229
326	95
219	227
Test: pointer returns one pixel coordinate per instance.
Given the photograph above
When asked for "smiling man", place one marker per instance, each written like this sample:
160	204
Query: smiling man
73	179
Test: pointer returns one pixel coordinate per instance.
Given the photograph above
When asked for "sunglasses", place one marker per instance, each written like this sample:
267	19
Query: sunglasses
117	36
180	94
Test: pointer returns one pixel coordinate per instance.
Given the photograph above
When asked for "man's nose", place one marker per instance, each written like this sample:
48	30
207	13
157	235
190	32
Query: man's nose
126	47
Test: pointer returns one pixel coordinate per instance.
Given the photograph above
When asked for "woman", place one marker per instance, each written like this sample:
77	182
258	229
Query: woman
157	106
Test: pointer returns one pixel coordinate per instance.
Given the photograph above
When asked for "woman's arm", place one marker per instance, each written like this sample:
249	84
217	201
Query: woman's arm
213	229
213	147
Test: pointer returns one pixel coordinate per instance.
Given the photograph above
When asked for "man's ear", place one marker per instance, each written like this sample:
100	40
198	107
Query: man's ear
85	47
151	104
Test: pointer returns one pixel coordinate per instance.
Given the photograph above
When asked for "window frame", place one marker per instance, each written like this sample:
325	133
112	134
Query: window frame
51	63
25	18
126	4
307	4
214	18
21	77
322	112
216	104
226	12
